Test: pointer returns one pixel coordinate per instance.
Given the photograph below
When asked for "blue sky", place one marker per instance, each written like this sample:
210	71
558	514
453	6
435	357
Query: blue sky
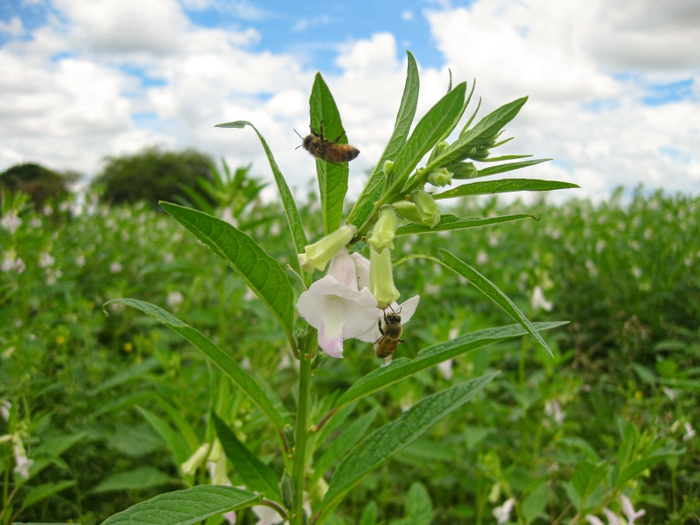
613	84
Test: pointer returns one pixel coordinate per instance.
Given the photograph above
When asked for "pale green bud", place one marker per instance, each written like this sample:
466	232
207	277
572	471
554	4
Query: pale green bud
427	208
385	230
388	167
190	466
319	254
287	490
439	148
407	210
381	278
440	177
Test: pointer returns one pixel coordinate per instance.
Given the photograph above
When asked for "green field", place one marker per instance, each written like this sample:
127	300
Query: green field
87	391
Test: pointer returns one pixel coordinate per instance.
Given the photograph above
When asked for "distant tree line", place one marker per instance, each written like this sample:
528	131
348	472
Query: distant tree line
149	175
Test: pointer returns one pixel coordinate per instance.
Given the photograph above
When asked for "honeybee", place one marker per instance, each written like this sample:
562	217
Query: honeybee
330	151
385	346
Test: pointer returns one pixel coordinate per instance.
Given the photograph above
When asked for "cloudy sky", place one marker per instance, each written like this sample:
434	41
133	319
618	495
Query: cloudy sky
614	85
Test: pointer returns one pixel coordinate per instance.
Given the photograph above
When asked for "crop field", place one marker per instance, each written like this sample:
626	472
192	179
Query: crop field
108	402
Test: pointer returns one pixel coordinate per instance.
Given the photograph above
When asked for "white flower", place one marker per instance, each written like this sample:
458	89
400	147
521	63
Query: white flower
502	513
538	300
336	307
174	298
115	267
190	466
10	262
10	222
482	258
445	369
266	515
22	463
553	410
629	511
46	260
689	432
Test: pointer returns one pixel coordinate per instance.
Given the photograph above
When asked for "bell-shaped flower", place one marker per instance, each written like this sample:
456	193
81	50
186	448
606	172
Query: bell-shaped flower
190	466
337	307
318	255
381	279
628	510
427	208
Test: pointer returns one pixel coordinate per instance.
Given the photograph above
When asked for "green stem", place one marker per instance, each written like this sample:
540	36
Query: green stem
301	436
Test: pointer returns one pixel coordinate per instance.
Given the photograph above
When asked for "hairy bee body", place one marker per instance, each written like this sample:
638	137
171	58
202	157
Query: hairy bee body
330	151
385	346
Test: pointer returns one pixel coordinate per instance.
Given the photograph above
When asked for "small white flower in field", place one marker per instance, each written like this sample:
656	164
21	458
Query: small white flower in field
115	267
670	393
5	407
336	307
689	432
227	216
80	261
246	365
629	511
10	222
46	260
482	257
502	513
52	276
538	300
47	210
319	254
249	295
174	298
553	410
600	246
10	262
190	466
592	270
637	272
36	223
22	462
266	515
610	515
168	257
446	369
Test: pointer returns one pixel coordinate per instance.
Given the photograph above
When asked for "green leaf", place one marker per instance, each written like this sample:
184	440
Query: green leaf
486	129
255	474
450	222
290	208
41	492
347	439
369	515
628	445
407	110
402	368
137	479
491	291
419	507
185	507
176	443
511	166
232	369
261	273
428	131
183	426
587	477
504	186
135	371
393	437
635	468
535	502
332	178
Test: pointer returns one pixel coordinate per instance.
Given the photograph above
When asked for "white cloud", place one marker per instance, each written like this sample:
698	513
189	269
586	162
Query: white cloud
14	27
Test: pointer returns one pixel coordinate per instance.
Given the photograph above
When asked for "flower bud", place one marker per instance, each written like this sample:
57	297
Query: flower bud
287	490
381	279
439	148
190	466
318	255
407	210
388	167
427	208
440	177
289	435
385	230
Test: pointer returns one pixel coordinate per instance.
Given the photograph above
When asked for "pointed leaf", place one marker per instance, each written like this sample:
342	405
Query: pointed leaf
511	166
390	439
332	178
176	443
428	131
185	507
182	424
450	222
349	437
262	273
256	475
407	110
504	186
290	208
491	291
137	479
41	492
232	369
402	368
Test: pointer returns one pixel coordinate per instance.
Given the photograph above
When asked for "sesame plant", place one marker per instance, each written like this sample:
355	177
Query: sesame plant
332	293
